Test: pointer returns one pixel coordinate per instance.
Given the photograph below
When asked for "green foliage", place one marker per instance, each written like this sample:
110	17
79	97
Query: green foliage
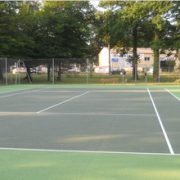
55	29
7	26
74	29
64	29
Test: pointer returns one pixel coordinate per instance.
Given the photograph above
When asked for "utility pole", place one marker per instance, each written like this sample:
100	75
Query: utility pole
109	58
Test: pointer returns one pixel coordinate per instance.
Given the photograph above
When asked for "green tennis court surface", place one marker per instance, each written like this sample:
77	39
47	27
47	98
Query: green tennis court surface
89	132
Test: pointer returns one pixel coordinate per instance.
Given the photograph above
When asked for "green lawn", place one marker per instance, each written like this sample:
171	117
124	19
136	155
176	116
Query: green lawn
28	165
93	78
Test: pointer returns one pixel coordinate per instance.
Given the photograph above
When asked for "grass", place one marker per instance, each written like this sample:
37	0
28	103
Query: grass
83	78
27	165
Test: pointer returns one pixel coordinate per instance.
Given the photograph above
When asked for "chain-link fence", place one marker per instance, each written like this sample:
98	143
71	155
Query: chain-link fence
52	70
72	70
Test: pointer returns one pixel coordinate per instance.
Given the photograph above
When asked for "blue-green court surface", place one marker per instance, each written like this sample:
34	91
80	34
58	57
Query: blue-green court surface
89	132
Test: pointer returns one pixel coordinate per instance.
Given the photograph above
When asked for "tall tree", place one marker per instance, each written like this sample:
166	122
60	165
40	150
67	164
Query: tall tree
8	11
128	18
158	13
26	28
175	33
65	28
7	30
141	22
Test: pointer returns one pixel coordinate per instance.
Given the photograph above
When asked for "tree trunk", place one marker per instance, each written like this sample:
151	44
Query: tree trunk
28	74
59	71
177	59
135	56
1	75
49	74
156	59
109	58
1	71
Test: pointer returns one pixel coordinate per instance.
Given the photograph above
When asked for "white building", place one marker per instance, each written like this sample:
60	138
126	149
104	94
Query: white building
103	61
118	61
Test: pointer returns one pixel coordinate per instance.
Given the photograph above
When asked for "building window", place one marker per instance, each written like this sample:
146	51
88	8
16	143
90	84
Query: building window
147	58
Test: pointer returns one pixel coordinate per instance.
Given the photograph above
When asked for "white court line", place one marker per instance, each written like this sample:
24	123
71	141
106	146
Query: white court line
161	124
25	114
98	114
8	113
85	151
172	94
60	103
59	91
13	91
19	93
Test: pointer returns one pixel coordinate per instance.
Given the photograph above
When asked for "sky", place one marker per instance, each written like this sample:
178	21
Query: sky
95	2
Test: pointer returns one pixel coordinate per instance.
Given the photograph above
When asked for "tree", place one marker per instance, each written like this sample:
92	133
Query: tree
26	25
158	15
7	29
55	29
146	23
125	28
64	29
174	40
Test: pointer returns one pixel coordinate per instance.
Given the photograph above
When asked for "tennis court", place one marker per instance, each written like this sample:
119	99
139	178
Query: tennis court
91	119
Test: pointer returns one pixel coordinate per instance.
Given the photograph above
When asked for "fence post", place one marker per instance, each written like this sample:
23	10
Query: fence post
87	71
52	70
6	78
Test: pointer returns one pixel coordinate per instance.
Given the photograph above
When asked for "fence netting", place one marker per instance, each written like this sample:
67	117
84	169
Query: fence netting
72	70
52	70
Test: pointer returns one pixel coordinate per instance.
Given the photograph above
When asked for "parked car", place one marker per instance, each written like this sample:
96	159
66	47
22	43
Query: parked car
74	69
121	72
150	71
18	70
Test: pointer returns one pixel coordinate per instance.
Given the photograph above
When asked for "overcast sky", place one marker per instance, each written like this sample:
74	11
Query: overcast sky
95	2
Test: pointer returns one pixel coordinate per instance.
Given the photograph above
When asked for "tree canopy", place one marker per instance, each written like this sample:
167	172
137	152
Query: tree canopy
54	29
66	29
143	24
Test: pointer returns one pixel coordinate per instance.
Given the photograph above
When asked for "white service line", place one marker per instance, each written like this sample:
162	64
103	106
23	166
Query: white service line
19	93
172	94
85	151
44	91
94	114
60	103
13	91
161	124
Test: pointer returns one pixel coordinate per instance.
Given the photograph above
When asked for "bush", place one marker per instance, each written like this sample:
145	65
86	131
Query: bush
177	81
109	80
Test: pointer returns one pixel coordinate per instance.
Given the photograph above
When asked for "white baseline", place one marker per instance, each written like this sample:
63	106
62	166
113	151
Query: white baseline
60	103
172	94
19	93
86	151
161	124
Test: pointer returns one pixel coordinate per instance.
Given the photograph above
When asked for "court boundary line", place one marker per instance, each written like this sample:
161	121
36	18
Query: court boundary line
8	113
167	90
19	93
60	91
60	103
161	124
8	92
100	114
86	151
